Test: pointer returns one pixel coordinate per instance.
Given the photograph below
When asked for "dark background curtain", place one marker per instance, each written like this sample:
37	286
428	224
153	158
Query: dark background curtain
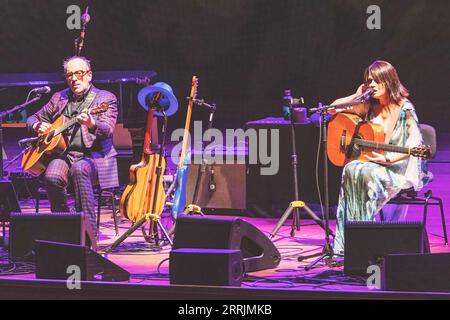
245	52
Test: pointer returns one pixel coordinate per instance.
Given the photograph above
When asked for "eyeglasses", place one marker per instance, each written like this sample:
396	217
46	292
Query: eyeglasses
78	74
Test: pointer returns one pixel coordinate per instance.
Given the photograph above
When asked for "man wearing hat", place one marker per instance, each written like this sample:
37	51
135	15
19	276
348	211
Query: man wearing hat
90	157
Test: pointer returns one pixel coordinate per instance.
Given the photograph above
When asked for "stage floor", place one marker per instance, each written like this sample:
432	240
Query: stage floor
149	266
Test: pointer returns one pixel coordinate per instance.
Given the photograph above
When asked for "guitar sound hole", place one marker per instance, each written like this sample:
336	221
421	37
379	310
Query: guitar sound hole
50	136
353	150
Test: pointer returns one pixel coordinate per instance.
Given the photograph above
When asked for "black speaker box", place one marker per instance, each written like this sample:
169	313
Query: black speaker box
68	227
8	200
416	272
223	186
214	267
26	186
258	252
367	242
54	258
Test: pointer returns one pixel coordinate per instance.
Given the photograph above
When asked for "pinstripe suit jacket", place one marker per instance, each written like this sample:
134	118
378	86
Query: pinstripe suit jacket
98	140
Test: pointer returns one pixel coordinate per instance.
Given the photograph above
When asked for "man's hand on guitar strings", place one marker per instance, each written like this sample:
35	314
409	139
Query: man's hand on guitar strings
41	127
379	158
86	119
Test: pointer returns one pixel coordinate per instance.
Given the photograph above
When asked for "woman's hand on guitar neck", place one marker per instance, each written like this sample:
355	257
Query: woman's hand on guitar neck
41	127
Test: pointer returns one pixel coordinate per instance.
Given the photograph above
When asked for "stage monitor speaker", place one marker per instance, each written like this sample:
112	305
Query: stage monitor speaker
68	227
223	186
213	267
53	260
258	252
367	242
8	200
416	272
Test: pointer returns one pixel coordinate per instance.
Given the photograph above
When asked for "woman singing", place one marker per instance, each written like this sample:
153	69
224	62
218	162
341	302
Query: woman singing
368	186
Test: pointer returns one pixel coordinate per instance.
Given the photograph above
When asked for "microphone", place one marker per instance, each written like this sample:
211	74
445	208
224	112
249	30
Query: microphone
202	103
41	90
366	95
25	141
362	98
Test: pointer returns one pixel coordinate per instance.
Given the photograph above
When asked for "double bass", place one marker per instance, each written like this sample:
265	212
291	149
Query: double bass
139	197
143	198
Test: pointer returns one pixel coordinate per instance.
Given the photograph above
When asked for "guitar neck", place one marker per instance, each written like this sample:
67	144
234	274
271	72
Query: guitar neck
72	121
381	146
148	131
193	94
65	126
186	134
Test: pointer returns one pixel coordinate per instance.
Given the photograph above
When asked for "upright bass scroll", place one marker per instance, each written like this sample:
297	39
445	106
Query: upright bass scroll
79	42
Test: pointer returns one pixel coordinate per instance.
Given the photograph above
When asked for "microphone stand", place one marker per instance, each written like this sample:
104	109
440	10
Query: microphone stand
295	205
327	251
5	114
193	207
4	209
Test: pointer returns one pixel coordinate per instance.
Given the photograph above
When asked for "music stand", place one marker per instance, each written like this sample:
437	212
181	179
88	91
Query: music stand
8	204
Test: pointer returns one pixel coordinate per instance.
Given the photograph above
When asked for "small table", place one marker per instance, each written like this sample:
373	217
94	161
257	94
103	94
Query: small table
270	195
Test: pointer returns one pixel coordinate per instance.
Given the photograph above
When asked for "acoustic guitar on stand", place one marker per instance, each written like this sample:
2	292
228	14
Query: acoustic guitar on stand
53	141
351	138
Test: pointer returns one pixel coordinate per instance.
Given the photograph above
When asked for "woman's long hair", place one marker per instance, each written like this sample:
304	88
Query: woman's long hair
384	72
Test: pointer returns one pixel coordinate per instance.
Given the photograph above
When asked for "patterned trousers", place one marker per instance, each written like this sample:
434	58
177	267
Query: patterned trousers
83	174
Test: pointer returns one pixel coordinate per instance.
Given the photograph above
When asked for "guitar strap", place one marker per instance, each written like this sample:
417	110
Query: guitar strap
72	113
87	101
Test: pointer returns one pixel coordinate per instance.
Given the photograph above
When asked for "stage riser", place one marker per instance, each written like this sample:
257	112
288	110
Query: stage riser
57	290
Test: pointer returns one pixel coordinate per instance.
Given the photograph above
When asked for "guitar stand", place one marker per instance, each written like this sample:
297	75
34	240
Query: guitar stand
193	208
149	217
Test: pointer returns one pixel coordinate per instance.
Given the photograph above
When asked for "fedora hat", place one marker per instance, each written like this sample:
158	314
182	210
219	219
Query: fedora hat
168	102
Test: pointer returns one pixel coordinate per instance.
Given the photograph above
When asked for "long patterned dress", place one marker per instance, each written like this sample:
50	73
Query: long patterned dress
367	186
